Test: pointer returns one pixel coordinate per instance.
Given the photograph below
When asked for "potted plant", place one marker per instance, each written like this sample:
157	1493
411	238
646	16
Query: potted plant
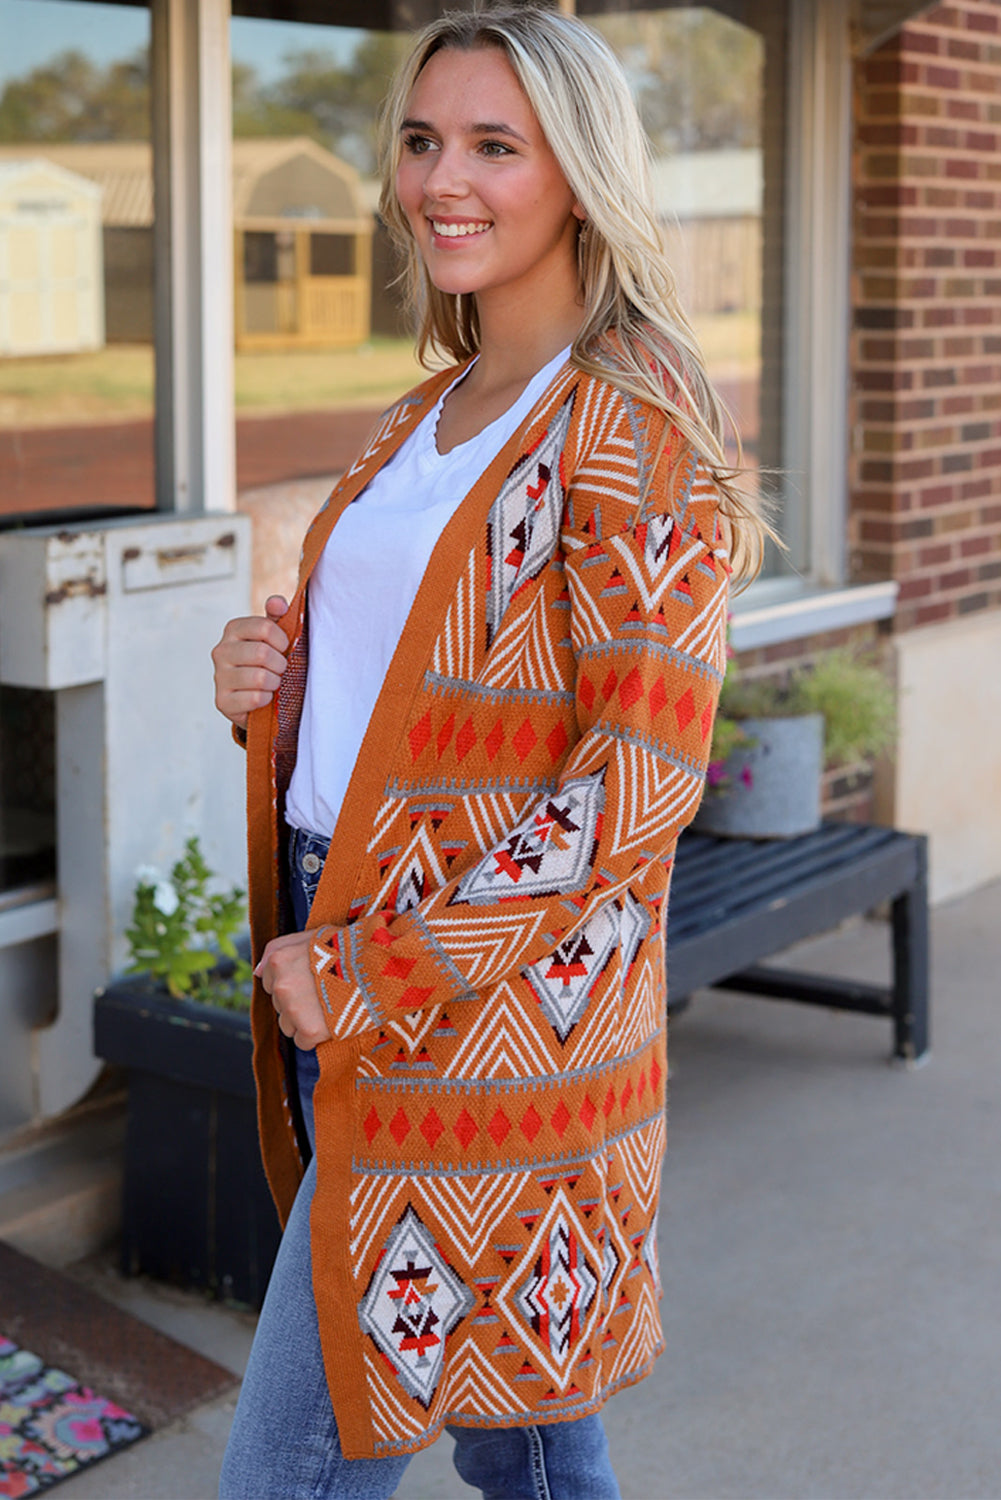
197	1210
773	739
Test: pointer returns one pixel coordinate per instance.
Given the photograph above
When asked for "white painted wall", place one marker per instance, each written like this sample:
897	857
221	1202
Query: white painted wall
947	780
117	619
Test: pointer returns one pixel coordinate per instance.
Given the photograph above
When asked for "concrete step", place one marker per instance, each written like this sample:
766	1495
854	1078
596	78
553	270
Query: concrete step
61	1183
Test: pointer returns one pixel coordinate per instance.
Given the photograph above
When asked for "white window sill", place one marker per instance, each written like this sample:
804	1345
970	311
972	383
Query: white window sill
787	609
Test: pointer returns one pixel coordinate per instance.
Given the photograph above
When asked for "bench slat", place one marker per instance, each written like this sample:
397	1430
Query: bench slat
735	902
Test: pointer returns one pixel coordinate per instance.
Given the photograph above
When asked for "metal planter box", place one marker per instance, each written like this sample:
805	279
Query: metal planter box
774	782
197	1209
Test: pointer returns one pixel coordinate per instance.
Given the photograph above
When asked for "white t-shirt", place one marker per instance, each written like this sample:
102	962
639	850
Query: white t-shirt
362	590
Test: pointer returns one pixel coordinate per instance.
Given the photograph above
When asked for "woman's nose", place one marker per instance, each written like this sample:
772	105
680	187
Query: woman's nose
444	177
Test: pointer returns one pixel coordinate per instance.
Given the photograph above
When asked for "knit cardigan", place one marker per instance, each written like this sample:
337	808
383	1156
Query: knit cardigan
488	932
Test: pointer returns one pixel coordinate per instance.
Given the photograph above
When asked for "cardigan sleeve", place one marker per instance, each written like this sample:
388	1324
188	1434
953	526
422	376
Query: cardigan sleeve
648	608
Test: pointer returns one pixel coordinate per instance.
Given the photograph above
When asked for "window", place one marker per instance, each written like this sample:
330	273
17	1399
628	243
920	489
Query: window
76	325
321	346
709	90
76	259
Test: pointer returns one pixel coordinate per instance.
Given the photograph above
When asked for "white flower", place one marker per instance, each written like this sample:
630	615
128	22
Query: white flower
147	875
165	898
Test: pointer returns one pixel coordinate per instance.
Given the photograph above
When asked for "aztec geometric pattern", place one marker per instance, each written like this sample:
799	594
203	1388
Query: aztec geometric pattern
51	1427
563	982
558	1292
413	1302
490	938
550	850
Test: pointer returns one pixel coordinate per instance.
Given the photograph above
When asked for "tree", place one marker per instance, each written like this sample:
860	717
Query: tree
696	76
70	99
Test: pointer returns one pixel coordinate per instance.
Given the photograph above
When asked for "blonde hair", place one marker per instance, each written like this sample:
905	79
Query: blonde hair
635	334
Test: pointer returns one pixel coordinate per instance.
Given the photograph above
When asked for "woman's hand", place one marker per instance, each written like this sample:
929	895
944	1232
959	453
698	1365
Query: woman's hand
286	972
249	662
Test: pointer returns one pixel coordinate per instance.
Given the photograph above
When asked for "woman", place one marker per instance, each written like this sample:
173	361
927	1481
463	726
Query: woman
492	697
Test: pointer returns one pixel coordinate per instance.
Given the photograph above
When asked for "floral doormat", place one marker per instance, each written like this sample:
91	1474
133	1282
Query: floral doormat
51	1426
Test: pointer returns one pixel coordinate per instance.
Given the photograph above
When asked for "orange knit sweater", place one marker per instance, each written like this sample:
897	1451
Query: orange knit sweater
490	943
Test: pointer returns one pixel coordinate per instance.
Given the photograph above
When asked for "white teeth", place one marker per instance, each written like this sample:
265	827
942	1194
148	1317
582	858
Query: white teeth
457	231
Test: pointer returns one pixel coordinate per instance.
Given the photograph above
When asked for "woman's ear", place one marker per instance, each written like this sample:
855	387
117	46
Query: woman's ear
579	212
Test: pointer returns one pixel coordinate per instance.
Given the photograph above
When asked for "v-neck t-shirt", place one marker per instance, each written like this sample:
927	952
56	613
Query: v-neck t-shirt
363	587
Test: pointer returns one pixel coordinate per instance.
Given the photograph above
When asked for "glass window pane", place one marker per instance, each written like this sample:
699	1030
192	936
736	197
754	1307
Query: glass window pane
313	367
321	346
76	259
710	93
76	324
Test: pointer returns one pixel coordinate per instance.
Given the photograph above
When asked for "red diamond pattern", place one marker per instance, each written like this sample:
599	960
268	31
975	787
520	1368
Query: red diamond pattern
499	1127
609	1103
685	709
419	735
465	1128
431	1127
531	1123
398	968
525	740
658	697
414	997
561	1118
587	1112
654	1076
608	686
444	735
494	739
586	692
465	740
372	1125
627	1093
706	721
556	741
631	688
399	1127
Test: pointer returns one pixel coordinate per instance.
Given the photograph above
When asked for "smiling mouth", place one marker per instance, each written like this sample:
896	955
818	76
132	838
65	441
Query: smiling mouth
458	231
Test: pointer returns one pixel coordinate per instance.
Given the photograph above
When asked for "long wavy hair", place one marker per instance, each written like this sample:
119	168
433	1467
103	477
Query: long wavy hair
634	334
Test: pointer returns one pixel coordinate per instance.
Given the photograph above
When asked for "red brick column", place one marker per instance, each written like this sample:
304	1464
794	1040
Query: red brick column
926	342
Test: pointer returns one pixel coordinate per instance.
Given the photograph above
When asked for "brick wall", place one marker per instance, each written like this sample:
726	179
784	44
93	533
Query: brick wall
926	343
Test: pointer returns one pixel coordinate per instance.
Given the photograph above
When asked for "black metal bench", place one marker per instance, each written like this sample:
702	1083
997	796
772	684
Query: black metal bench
735	902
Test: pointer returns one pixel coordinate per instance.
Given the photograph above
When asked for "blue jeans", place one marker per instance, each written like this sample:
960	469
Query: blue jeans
284	1443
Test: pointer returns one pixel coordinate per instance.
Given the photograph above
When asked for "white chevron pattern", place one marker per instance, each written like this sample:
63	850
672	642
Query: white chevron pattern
523	653
455	648
466	1209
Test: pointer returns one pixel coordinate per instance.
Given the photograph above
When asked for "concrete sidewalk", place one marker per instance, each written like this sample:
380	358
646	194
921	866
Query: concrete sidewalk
830	1245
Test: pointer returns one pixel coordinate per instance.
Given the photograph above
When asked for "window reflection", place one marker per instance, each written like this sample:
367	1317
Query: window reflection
76	324
76	248
321	343
699	81
697	78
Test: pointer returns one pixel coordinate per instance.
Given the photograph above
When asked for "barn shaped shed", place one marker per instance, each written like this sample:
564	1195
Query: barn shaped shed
51	270
303	253
303	246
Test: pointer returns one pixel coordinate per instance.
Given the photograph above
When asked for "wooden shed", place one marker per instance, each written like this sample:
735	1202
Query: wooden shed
51	277
303	253
303	247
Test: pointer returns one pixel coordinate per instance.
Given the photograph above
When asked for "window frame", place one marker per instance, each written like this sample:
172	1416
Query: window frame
816	316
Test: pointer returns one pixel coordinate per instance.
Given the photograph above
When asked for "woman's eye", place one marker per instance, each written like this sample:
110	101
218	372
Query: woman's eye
416	144
495	148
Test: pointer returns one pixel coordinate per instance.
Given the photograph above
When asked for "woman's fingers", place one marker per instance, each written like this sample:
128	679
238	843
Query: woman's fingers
249	661
287	975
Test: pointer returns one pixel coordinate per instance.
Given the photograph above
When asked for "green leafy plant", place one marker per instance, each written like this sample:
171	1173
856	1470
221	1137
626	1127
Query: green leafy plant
184	935
851	693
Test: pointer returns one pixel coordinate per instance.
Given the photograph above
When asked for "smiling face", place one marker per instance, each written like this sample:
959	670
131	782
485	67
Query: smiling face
490	210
